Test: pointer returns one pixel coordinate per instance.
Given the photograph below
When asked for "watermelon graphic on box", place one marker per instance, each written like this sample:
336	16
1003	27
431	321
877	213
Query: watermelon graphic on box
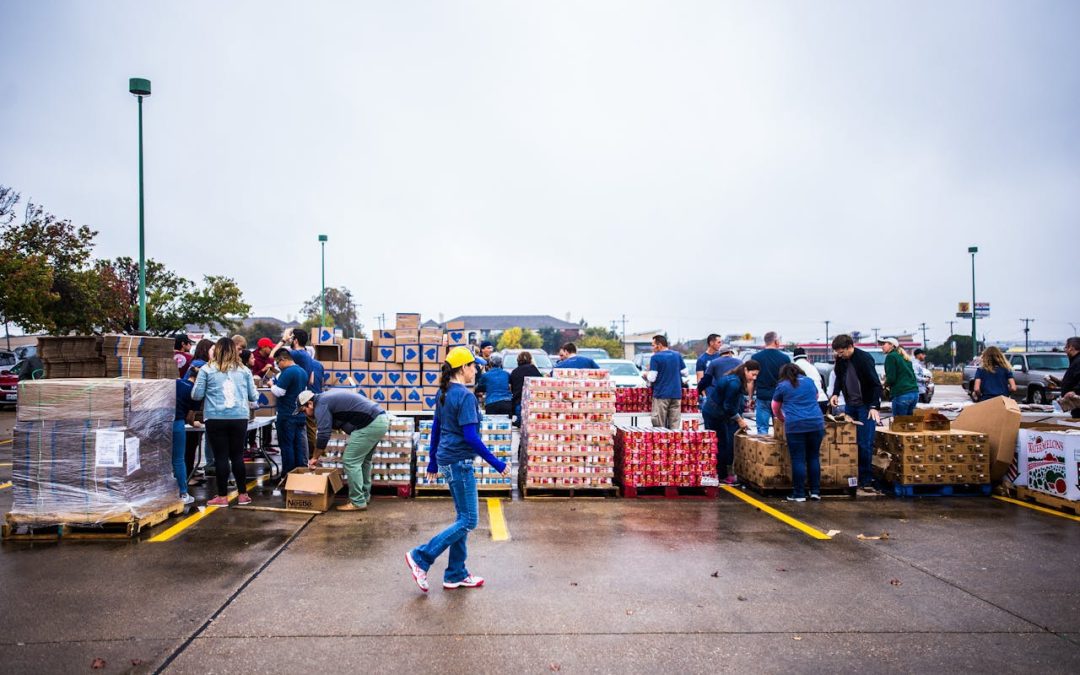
1053	463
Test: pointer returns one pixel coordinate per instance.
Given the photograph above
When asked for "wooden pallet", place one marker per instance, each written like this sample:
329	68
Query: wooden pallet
670	492
56	526
1049	501
826	493
482	490
901	490
399	490
528	492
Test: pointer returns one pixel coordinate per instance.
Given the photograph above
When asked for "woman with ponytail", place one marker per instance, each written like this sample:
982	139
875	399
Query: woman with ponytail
455	443
722	412
795	403
900	377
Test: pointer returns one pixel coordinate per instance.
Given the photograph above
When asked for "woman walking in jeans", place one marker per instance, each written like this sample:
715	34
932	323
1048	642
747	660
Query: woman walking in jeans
795	402
228	388
455	442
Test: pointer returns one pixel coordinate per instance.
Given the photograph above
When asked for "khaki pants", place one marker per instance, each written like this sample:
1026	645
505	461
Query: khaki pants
667	412
357	458
312	433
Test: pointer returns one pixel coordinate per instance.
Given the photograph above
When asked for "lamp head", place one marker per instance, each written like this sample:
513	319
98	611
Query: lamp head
322	237
973	249
139	86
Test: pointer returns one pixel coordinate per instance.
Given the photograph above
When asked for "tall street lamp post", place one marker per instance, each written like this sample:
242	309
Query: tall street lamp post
974	343
322	242
140	87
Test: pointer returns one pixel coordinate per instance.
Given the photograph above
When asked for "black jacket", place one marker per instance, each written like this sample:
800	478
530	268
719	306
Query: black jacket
517	381
869	381
1071	380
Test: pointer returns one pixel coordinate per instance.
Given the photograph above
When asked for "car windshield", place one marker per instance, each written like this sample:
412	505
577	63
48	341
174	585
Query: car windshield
879	357
621	369
1048	361
593	353
540	360
7	358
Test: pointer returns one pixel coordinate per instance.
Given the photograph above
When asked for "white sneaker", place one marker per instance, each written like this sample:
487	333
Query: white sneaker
470	581
793	498
418	574
187	499
816	498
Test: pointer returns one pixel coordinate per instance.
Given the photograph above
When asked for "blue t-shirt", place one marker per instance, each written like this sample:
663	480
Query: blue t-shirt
771	360
719	367
184	403
496	386
293	380
799	403
454	413
668	365
310	366
993	384
576	361
704	360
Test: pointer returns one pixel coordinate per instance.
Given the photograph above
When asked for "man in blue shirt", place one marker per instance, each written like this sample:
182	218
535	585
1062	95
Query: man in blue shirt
712	347
291	423
771	360
568	358
296	339
666	370
724	362
495	386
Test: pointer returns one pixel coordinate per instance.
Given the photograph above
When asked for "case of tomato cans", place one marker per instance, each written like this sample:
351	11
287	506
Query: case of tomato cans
649	457
496	432
567	431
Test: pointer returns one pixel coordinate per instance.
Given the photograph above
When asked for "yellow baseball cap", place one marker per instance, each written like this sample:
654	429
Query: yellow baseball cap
459	356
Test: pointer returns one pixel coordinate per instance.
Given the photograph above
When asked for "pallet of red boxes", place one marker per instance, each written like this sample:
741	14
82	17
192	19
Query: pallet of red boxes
666	463
567	434
639	400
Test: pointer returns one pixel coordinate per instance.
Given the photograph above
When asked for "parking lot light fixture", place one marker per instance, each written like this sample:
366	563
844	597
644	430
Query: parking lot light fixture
140	87
974	343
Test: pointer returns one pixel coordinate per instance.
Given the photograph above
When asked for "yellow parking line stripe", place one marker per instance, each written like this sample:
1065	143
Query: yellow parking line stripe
782	517
197	516
5	463
7	441
497	520
4	486
1036	507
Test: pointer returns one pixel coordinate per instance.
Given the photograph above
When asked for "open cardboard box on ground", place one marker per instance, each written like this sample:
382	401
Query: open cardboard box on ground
999	419
312	489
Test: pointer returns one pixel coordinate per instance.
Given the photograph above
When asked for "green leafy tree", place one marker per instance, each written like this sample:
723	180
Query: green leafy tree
942	354
509	339
602	338
261	329
550	339
530	339
340	312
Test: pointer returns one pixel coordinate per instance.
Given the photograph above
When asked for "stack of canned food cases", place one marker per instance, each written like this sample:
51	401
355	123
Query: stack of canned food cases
497	434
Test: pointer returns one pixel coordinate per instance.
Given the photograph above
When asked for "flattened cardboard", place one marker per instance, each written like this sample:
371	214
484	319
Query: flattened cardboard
998	418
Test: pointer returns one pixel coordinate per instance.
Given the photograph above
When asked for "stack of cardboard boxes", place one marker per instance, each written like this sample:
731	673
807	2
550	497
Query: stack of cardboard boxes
92	450
925	450
567	430
139	357
74	356
764	461
398	368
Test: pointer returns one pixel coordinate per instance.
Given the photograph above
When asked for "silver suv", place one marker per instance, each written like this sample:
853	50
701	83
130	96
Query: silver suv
1032	371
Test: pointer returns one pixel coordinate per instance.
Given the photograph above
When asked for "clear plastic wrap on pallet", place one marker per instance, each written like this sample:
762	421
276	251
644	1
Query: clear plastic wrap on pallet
91	451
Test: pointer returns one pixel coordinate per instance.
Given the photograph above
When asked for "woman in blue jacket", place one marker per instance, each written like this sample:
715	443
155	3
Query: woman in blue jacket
455	442
795	402
228	389
722	413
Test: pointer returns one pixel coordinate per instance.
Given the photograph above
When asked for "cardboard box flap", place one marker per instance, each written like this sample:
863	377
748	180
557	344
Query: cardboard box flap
998	418
314	480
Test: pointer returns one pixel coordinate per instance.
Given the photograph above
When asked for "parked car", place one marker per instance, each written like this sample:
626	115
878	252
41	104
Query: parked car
9	389
593	353
623	373
540	359
1032	371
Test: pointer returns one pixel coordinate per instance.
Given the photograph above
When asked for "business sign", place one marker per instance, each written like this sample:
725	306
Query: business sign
963	310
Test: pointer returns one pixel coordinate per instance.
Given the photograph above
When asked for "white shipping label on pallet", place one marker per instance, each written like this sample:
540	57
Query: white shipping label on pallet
131	449
109	448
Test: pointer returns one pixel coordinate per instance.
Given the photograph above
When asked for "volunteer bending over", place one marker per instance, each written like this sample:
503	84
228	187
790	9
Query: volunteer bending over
455	442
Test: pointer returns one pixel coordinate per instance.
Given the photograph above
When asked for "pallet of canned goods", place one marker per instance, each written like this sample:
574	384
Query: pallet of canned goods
497	434
391	465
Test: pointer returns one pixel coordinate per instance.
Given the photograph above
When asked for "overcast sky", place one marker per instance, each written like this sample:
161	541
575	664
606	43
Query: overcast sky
712	166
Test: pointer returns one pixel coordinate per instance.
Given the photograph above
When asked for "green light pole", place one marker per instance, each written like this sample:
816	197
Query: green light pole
322	242
140	87
974	344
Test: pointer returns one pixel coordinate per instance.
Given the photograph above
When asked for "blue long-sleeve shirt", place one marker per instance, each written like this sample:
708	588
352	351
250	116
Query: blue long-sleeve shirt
472	437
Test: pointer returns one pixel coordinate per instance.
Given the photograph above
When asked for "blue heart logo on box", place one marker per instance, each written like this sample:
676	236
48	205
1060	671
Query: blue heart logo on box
431	353
412	378
388	335
414	396
410	353
456	337
376	377
359	376
431	378
387	352
325	376
263	400
394	377
396	395
341	377
325	336
379	396
430	401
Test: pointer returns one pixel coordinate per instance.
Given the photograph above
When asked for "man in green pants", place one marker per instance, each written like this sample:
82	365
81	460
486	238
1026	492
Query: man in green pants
365	423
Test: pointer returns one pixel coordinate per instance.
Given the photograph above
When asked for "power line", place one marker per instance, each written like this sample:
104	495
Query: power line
922	327
1027	330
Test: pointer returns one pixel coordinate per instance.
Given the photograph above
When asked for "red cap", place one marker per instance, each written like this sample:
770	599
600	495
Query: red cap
265	342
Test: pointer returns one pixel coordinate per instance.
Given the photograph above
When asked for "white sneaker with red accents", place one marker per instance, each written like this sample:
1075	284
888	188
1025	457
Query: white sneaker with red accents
418	574
471	581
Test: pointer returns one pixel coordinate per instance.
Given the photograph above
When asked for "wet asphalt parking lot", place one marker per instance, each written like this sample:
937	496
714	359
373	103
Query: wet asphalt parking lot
959	584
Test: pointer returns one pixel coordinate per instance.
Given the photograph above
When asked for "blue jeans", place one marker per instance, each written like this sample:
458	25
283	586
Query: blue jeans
462	482
179	444
865	436
762	415
904	404
292	440
805	450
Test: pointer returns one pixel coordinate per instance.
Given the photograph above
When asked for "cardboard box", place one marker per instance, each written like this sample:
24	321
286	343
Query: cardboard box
414	395
432	354
431	336
407	337
1051	461
384	335
266	406
411	372
340	378
414	407
394	376
378	394
999	419
429	377
429	397
456	337
325	335
408	321
408	354
355	349
327	353
312	489
395	395
360	375
383	353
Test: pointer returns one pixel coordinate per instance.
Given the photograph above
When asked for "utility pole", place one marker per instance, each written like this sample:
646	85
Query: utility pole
875	333
951	324
974	338
827	322
1027	330
922	327
381	318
